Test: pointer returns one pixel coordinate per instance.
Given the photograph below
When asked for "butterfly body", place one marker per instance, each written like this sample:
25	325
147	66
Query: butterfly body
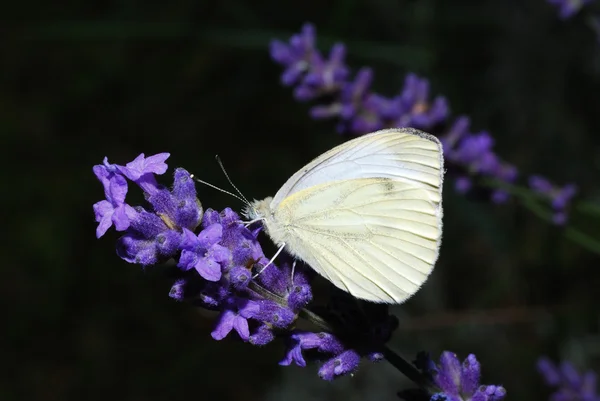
366	215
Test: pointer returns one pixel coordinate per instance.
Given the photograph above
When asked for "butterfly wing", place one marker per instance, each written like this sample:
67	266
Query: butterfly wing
376	238
404	154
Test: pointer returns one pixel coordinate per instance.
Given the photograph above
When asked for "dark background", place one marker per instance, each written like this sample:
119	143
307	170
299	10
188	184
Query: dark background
84	80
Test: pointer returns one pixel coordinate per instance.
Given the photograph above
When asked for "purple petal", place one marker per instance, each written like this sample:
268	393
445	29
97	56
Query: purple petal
145	165
189	240
540	184
220	254
462	184
103	212
210	235
148	184
240	325
280	52
470	375
548	371
500	196
294	354
117	190
570	375
187	260
448	378
103	175
120	217
208	269
224	325
249	310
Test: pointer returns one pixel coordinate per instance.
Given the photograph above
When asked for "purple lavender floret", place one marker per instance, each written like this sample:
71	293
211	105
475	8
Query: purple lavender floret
342	362
569	384
235	315
559	197
112	210
204	253
568	8
458	381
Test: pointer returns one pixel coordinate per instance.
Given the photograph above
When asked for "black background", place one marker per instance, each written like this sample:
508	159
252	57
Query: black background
84	80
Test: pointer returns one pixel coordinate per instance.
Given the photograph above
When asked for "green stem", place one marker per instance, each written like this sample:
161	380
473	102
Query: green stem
532	200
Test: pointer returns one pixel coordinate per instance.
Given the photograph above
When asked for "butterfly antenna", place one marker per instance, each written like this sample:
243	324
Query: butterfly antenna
217	188
243	198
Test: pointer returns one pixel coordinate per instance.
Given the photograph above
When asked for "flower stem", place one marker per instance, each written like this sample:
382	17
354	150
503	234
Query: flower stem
394	359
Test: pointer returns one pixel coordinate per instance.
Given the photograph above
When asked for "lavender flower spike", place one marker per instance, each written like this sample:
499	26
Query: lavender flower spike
458	381
351	100
568	383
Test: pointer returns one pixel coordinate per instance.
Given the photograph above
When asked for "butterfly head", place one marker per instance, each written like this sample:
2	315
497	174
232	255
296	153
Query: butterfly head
258	209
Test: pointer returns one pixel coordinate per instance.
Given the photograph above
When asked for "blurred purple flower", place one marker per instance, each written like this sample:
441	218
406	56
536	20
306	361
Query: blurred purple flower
458	381
570	385
351	100
568	8
559	197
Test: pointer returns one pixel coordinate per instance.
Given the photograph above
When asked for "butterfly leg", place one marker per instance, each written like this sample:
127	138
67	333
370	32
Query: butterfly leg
293	269
248	223
270	261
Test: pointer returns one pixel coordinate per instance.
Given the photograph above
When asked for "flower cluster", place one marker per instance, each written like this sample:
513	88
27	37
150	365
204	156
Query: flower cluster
456	381
568	8
217	256
569	384
351	101
358	110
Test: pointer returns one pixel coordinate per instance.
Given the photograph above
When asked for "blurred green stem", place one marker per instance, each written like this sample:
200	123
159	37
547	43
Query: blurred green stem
247	38
533	202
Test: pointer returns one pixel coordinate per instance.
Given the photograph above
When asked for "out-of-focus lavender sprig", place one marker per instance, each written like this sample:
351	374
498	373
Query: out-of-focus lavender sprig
217	257
455	381
569	384
358	110
568	8
559	197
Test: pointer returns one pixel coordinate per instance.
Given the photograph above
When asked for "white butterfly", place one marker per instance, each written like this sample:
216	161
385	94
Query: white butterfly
366	215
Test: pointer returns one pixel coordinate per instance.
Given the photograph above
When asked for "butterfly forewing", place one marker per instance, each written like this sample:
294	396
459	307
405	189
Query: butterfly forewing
403	154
